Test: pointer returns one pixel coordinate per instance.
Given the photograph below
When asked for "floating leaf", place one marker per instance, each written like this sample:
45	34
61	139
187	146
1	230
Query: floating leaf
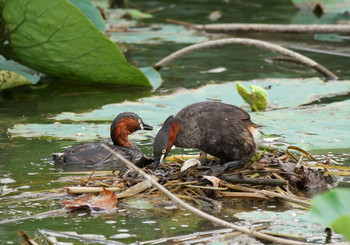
316	127
153	76
139	204
18	70
289	222
56	38
106	200
333	209
135	14
9	79
91	12
82	132
158	34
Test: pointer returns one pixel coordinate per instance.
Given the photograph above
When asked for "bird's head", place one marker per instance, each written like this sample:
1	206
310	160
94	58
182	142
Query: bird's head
125	124
165	139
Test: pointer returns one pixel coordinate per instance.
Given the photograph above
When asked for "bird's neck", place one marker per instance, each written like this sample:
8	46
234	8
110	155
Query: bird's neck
172	133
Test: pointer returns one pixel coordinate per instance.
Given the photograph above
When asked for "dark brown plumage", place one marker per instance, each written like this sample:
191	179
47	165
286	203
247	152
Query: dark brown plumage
220	129
93	155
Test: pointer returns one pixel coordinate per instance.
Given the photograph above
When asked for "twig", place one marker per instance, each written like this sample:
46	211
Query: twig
180	22
249	42
268	193
139	187
81	190
320	51
198	212
307	154
27	239
81	238
254	181
207	187
243	195
186	237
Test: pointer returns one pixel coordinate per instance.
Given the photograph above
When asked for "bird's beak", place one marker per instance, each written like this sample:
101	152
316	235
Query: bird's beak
157	162
145	126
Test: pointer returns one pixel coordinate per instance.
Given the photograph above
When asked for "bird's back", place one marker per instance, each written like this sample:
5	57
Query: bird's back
217	128
93	155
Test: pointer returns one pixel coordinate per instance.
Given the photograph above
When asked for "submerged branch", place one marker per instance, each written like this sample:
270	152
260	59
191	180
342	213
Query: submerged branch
198	212
248	42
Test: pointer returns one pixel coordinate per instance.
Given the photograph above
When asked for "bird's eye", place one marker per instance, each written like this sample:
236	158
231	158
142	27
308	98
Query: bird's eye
139	121
163	151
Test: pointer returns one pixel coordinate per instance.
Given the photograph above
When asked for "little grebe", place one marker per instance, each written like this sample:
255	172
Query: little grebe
222	130
94	155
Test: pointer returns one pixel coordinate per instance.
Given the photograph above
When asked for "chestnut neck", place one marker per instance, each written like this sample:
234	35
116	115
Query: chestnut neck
172	127
122	129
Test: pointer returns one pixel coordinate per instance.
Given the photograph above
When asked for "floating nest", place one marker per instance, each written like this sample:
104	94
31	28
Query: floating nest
291	176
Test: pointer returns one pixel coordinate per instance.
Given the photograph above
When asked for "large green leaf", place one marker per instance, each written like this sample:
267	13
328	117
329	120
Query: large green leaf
333	209
56	38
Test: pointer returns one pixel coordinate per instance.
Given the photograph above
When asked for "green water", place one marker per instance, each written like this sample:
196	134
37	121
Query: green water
26	161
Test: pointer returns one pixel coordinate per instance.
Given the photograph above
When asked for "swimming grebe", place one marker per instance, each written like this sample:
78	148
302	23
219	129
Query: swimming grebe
222	130
94	155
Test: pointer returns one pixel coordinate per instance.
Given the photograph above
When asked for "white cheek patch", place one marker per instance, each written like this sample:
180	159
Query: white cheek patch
254	131
141	126
162	158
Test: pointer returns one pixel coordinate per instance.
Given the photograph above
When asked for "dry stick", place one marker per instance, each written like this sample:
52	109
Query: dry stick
255	181
51	233
249	42
274	28
268	193
84	189
198	212
186	237
320	68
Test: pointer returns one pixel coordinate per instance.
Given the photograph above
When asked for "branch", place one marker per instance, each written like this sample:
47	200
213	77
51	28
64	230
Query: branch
269	194
273	28
255	181
248	42
198	212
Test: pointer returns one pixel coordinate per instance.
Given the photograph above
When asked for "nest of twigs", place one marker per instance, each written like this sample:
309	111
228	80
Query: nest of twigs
272	175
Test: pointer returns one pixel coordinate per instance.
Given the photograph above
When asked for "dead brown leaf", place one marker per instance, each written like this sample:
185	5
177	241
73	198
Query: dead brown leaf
214	180
105	200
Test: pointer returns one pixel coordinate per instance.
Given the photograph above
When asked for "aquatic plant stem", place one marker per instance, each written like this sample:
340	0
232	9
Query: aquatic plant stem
248	42
198	212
